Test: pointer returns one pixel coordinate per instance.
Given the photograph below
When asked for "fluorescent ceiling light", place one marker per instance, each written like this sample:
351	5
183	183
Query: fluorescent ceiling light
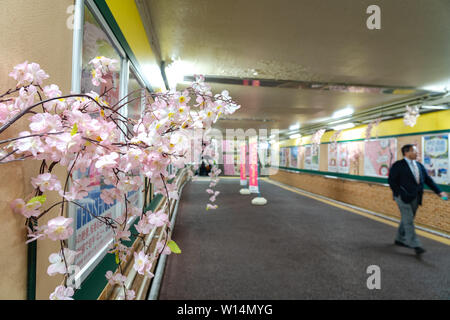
343	112
176	71
295	136
153	75
434	107
344	126
439	87
295	126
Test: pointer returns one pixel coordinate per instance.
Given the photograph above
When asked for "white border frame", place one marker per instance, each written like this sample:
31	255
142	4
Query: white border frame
448	154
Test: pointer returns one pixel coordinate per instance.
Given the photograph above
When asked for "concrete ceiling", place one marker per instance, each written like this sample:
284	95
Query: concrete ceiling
306	40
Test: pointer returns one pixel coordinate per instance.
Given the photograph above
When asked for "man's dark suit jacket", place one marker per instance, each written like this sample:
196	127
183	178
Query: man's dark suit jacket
403	183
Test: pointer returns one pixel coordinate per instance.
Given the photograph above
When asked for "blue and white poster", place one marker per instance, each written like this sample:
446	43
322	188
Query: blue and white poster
436	157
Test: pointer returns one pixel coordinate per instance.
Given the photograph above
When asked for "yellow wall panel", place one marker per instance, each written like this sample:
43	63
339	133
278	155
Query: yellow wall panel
433	121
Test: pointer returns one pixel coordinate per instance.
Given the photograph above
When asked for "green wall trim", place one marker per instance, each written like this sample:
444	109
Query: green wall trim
107	14
93	285
31	274
381	137
354	177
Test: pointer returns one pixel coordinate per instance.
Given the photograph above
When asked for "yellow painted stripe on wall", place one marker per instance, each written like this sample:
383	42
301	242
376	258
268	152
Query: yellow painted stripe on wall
433	121
129	20
127	16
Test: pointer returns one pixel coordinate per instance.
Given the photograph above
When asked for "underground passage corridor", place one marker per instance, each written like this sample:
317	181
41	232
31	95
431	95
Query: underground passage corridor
233	157
294	247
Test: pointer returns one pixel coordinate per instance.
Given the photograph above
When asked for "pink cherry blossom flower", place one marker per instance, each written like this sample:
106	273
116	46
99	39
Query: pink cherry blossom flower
21	74
38	74
79	190
117	278
123	235
46	181
173	191
107	161
45	122
144	226
59	228
32	144
158	219
211	207
62	293
28	210
52	91
36	234
142	264
57	261
162	248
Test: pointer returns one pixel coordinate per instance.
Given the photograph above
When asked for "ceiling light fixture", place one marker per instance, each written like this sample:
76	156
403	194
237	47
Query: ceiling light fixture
176	71
295	136
295	126
435	107
153	75
344	126
348	111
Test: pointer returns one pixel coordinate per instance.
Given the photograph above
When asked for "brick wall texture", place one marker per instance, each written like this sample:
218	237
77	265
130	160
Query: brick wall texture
433	214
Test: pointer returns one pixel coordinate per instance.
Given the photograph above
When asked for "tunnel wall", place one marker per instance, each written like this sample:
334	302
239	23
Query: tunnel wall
28	35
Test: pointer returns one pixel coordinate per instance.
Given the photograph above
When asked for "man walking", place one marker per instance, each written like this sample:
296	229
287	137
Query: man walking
406	179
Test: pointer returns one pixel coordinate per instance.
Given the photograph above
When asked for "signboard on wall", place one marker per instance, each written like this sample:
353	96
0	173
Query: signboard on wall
332	157
307	161
436	157
379	156
315	156
293	157
90	234
343	161
287	156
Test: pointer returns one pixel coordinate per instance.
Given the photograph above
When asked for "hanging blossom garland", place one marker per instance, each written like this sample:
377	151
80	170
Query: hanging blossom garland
334	138
411	115
76	131
317	136
209	155
370	126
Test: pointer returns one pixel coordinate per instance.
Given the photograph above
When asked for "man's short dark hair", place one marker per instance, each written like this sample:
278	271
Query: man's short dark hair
406	148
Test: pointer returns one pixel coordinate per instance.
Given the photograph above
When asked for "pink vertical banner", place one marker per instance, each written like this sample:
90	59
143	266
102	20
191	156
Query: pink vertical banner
242	161
253	155
228	152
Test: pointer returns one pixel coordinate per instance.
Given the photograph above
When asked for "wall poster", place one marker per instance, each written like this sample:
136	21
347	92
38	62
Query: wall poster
315	155
293	158
343	160
307	161
332	157
436	157
379	156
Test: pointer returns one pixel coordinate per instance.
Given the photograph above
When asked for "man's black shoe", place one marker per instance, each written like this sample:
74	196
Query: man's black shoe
419	250
401	244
